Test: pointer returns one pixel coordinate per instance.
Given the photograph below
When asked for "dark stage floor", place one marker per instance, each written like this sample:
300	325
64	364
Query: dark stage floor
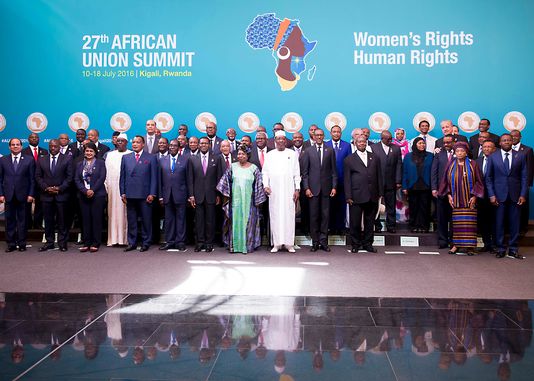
178	337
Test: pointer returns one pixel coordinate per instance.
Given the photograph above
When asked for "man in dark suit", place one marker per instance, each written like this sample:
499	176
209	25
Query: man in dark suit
447	129
93	136
173	196
139	186
525	150
234	143
202	175
271	142
53	175
77	146
391	170
17	186
482	137
319	179
33	150
259	150
311	141
363	189
474	143
226	157
151	138
214	140
443	208
64	146
338	204
507	185
485	210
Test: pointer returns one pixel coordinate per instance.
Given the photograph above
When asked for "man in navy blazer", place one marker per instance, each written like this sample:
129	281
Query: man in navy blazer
173	196
338	204
202	176
319	179
139	186
443	208
391	170
17	186
53	174
485	210
215	141
507	184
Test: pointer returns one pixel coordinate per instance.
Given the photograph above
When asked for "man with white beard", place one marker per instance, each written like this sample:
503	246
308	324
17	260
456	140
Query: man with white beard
117	222
281	180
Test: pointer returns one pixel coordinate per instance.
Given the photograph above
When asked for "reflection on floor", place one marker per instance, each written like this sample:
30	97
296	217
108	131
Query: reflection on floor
179	337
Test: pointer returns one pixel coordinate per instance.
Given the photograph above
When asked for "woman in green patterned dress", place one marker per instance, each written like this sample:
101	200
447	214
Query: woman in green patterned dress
243	193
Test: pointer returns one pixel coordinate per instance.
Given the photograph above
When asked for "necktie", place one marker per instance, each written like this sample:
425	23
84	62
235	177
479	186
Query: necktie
484	165
227	162
336	146
320	154
211	143
150	139
204	164
79	146
62	150
173	164
449	155
35	154
16	163
262	157
137	158
507	162
180	152
53	166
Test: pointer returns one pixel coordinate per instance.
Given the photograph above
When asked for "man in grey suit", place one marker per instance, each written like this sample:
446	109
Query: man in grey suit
151	139
319	179
391	170
173	196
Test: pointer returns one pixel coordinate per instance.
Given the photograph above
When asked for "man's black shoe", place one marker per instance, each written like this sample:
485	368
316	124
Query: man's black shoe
369	249
63	248
10	249
46	247
130	248
143	248
209	248
167	246
500	254
314	248
355	249
22	248
325	248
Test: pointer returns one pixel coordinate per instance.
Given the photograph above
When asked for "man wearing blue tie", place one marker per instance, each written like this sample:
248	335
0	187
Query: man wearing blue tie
173	196
506	182
138	186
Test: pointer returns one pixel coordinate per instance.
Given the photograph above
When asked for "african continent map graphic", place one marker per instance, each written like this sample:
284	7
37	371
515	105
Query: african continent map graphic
288	44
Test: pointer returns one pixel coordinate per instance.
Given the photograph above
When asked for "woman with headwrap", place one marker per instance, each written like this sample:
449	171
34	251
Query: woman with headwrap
400	140
243	193
416	185
462	184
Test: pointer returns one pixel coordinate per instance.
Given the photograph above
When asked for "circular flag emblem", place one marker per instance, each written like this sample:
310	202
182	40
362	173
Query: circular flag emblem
164	121
78	120
3	122
468	121
202	119
514	120
37	122
248	122
120	122
292	122
424	115
379	121
335	119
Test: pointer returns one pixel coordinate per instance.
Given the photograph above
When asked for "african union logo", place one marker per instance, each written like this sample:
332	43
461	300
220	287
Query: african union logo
164	121
424	115
288	44
379	121
78	120
37	122
514	120
335	119
120	122
468	121
202	119
3	123
292	122
248	122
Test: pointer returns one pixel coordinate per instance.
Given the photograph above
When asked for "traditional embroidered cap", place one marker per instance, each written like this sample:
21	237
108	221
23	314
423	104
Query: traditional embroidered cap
280	133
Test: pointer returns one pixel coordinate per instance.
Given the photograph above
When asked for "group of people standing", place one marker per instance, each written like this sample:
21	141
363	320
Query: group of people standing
260	186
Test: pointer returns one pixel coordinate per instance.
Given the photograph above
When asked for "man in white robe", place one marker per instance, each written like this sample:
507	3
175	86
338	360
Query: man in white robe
281	180
117	221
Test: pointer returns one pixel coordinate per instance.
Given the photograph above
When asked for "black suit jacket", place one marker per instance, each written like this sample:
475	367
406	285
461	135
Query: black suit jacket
216	149
480	163
102	150
254	157
173	183
529	155
457	138
17	185
74	149
62	177
70	151
28	151
221	162
390	165
362	184
317	176
271	143
201	186
439	164
474	146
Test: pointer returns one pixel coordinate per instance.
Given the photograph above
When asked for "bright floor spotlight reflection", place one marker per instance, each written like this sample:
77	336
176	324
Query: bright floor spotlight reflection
315	263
